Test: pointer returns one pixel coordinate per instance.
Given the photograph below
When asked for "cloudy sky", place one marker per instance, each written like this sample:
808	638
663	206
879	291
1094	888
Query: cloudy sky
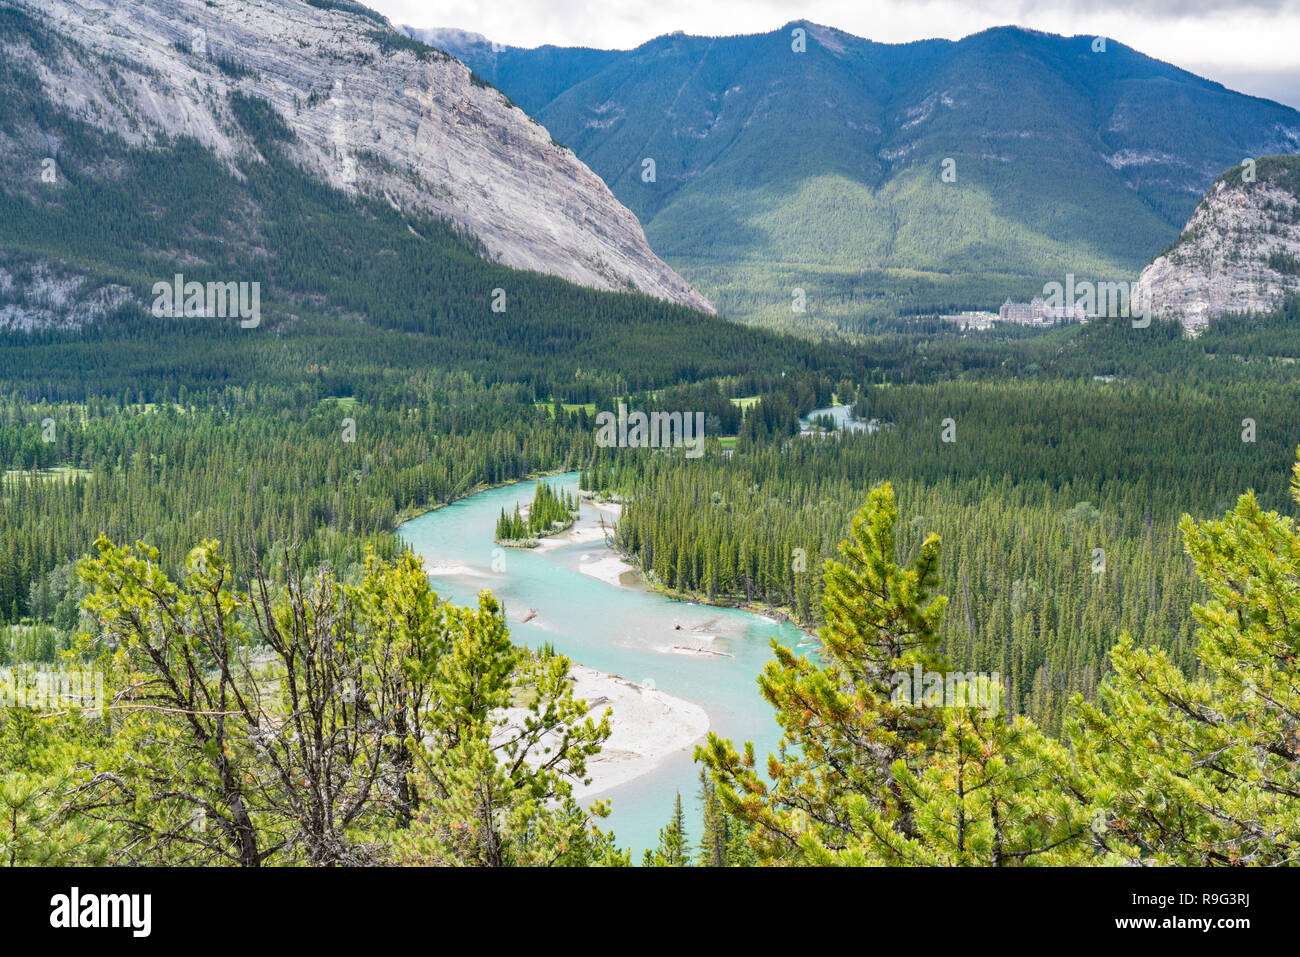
1249	45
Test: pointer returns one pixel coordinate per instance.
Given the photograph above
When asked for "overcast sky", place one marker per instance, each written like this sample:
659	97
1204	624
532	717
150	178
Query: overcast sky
1249	45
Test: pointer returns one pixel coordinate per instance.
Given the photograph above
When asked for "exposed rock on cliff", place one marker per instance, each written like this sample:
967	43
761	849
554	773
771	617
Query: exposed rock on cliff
373	110
1240	251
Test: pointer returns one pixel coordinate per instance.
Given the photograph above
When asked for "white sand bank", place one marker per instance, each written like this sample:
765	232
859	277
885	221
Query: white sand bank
648	725
609	570
440	570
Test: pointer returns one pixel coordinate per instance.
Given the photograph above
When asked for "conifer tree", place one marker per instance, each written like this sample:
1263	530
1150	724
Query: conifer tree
723	841
672	849
715	837
38	827
35	831
844	737
499	789
1206	769
990	794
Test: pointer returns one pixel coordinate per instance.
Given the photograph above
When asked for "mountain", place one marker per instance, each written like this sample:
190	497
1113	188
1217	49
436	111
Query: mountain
371	113
1239	252
551	70
822	169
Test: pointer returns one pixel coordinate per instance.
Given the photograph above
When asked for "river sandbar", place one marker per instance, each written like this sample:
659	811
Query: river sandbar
610	570
646	726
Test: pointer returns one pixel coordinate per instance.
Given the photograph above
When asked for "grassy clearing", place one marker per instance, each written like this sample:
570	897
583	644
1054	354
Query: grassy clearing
59	473
567	406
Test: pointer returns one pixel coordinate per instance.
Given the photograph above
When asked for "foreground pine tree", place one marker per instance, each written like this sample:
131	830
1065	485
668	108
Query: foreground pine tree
673	846
35	832
991	794
308	721
845	740
1206	770
37	828
499	786
866	775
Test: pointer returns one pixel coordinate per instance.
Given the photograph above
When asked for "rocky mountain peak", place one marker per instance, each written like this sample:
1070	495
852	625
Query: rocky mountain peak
1239	252
373	110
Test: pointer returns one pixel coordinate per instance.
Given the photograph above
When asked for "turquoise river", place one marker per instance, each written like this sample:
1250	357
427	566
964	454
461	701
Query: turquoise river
617	629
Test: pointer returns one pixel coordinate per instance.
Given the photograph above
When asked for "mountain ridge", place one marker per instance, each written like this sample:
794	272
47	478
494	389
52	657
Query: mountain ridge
820	170
374	112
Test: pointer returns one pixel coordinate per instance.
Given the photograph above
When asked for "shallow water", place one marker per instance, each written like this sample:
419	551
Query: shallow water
626	631
843	416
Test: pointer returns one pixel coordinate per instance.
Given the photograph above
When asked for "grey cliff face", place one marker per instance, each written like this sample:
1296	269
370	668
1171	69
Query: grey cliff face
394	120
1235	255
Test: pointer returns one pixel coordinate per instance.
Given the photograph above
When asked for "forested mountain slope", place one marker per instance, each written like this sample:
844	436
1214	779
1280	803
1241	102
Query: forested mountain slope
777	169
371	112
87	244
